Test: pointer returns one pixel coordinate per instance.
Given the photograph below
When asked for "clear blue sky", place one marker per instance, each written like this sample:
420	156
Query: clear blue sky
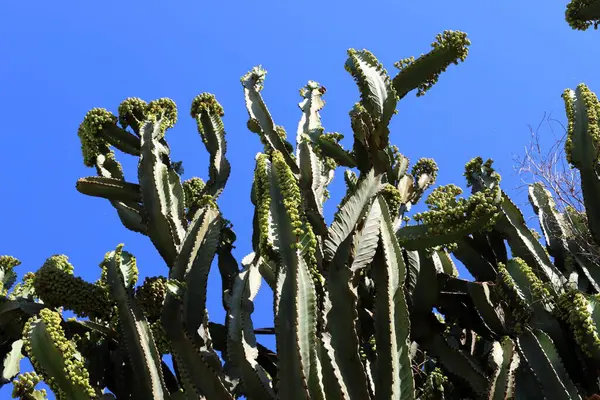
59	59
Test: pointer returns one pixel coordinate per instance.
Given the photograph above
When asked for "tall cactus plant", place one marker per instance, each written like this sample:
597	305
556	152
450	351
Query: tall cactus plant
353	301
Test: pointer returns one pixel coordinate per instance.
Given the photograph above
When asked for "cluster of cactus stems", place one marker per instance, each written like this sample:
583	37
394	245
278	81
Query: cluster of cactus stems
354	301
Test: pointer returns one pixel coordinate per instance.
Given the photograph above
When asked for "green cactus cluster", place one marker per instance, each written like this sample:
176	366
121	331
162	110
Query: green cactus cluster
369	306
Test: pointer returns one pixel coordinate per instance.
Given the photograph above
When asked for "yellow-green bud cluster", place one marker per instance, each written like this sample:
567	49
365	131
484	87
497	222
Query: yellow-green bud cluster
476	167
577	310
425	166
160	337
151	296
192	191
92	143
434	386
539	292
163	109
7	263
393	199
132	111
24	386
263	195
573	14
507	289
479	209
61	262
453	45
289	191
58	288
592	108
206	102
331	137
74	369
25	286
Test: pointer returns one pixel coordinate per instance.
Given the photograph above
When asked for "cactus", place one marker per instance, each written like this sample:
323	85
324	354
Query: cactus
353	301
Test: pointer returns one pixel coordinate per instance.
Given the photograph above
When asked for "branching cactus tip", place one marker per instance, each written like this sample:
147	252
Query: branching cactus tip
165	110
206	102
132	112
92	144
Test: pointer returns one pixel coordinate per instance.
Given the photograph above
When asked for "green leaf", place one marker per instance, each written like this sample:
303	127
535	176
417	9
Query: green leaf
394	378
141	349
162	193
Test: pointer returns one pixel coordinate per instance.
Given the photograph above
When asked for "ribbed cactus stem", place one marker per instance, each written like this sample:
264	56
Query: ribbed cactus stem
59	288
55	357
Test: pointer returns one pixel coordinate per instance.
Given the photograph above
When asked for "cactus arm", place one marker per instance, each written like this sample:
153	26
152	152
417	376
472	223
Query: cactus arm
537	349
334	150
109	188
504	361
392	323
193	265
261	121
450	47
141	349
129	213
582	312
582	148
340	337
551	222
377	93
7	274
367	239
11	362
208	112
55	357
480	294
423	272
476	263
295	301
350	213
241	343
121	139
59	288
197	374
581	14
313	184
524	245
447	263
162	193
313	170
458	363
